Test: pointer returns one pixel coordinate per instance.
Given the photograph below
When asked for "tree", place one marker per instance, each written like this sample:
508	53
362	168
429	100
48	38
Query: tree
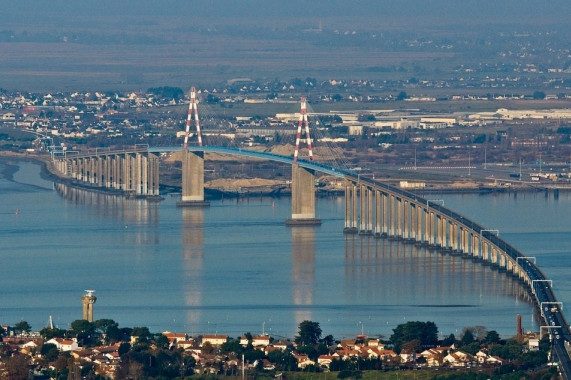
309	333
402	95
84	330
328	340
448	341
49	352
412	346
492	337
207	348
471	348
467	338
231	346
426	332
284	361
167	92
48	333
17	367
123	348
478	332
162	341
22	327
539	95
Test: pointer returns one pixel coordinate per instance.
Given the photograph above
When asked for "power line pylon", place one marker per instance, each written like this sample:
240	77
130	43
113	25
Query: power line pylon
303	120
192	110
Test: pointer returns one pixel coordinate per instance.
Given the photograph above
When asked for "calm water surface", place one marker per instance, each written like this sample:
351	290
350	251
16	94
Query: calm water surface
235	267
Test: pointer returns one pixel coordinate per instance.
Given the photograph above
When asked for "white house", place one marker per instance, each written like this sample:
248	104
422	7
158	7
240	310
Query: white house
64	344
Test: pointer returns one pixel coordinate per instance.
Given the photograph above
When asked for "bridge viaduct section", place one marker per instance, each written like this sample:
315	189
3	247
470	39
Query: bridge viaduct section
372	208
132	172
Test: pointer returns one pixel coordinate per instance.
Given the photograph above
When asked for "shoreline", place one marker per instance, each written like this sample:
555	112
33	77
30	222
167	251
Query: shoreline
48	172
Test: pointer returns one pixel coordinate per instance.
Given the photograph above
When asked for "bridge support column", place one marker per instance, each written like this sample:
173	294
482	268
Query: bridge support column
302	197
192	180
99	171
463	241
107	171
116	172
73	168
476	249
446	233
494	258
350	209
365	207
80	169
419	216
378	213
406	220
484	252
399	218
431	229
370	210
413	222
142	171
125	167
153	175
385	217
391	216
92	170
440	232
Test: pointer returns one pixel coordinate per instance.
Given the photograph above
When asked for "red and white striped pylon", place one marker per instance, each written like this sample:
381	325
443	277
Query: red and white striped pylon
303	120
192	110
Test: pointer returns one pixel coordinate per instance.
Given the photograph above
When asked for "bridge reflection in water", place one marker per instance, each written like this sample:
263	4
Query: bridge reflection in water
193	251
303	271
406	275
399	280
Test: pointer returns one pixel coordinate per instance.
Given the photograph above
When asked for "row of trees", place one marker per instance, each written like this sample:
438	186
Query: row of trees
152	354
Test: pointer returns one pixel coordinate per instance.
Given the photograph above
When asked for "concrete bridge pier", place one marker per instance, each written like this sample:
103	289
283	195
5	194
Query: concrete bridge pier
406	220
392	217
126	173
413	222
378	213
419	216
302	197
350	208
440	232
385	216
153	176
192	180
115	172
366	211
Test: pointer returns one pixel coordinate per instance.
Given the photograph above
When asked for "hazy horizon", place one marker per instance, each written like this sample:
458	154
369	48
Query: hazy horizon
86	43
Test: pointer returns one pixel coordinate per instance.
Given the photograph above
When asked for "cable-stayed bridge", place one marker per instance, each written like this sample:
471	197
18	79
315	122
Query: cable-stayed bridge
371	208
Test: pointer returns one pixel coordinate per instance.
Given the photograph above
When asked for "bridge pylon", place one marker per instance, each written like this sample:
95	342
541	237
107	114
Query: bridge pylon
303	121
192	116
302	180
192	162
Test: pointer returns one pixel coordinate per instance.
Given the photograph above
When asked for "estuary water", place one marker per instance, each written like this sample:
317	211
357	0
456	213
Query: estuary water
235	267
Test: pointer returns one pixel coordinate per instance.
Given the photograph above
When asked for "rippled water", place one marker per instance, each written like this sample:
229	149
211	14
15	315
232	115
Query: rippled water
235	267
